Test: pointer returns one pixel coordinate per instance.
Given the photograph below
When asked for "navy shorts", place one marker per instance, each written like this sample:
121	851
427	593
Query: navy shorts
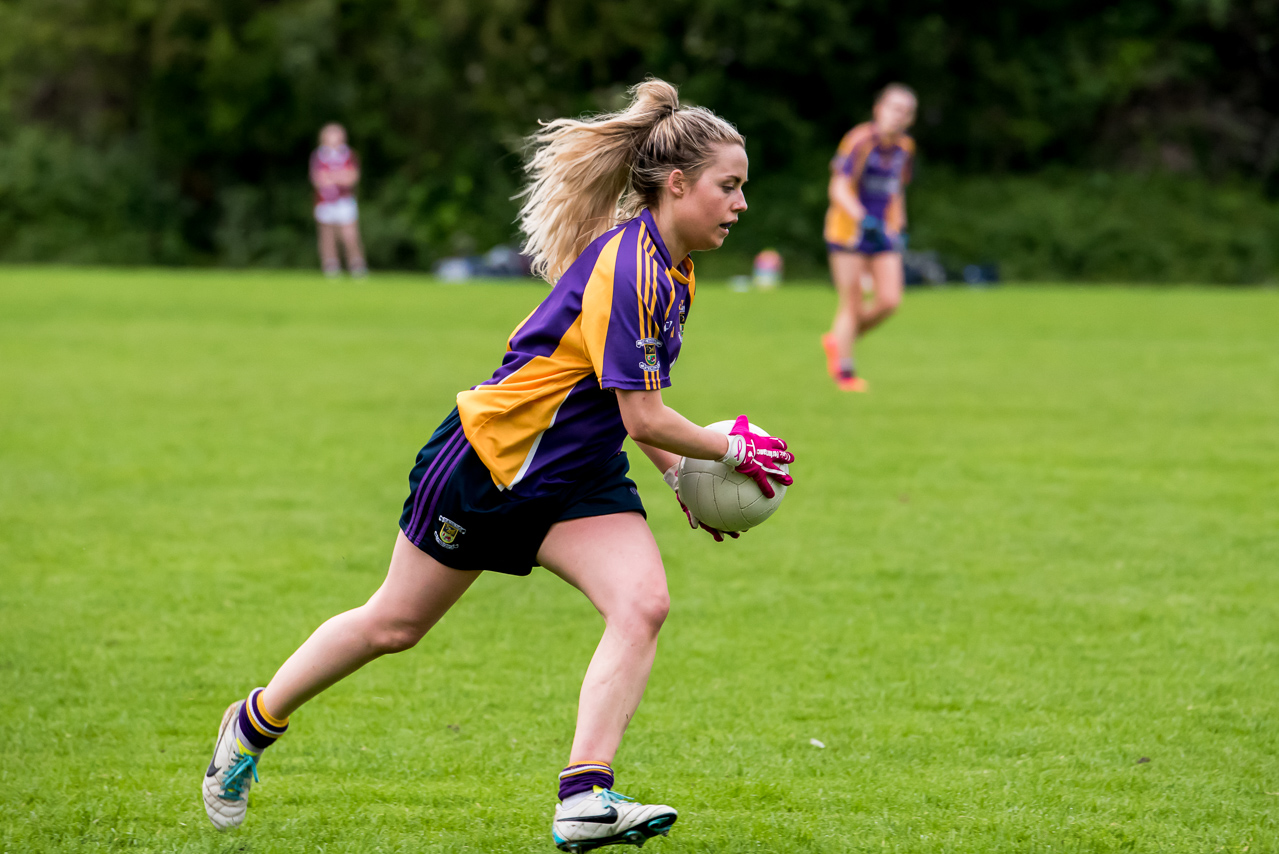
870	242
457	515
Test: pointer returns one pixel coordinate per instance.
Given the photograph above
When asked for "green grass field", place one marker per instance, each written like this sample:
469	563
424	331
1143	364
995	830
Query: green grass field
1024	591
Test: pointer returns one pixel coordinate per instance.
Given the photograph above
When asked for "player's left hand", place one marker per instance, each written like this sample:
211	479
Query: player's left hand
671	476
757	456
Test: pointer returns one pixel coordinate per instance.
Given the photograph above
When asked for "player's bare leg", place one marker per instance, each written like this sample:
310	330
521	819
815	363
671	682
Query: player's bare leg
327	237
615	562
417	591
353	248
847	269
886	271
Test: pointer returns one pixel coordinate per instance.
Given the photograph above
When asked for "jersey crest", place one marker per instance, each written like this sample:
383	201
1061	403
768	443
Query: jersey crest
649	345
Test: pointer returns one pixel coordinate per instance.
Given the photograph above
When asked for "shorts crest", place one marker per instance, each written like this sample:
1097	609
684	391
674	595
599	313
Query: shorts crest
448	533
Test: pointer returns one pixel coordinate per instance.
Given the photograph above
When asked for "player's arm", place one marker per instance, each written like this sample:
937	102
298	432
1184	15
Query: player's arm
897	205
662	459
843	195
846	171
896	213
651	422
663	434
648	420
350	176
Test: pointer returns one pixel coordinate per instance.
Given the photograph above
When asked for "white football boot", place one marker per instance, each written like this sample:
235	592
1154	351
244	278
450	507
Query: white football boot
606	818
231	772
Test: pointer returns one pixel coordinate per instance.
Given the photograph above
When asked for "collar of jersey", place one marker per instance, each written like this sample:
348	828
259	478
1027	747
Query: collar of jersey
685	271
883	143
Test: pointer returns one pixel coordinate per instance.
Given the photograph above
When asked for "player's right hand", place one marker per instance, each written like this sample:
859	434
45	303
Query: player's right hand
696	523
671	476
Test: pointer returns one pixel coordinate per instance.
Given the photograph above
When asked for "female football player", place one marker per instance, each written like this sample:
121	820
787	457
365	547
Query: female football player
335	171
865	225
528	469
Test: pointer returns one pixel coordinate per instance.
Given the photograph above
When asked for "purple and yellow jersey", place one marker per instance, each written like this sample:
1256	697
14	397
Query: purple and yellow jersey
880	171
614	320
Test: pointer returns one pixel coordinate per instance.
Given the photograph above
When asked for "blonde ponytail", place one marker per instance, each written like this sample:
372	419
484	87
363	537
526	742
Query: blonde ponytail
586	175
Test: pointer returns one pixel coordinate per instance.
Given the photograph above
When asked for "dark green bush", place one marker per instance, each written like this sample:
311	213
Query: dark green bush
1066	226
1056	225
67	201
179	132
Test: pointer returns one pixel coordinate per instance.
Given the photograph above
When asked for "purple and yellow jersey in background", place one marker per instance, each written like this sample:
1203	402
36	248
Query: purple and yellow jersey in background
880	171
614	320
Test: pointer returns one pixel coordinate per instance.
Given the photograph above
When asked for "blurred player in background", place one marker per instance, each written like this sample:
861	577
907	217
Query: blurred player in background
335	171
866	225
529	470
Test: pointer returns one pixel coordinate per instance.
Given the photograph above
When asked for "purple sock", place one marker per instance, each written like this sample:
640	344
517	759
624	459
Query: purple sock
256	729
583	777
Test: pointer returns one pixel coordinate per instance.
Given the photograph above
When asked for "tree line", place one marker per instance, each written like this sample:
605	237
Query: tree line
178	132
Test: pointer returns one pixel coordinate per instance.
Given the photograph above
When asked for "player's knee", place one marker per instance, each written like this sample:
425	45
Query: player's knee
392	636
889	303
647	609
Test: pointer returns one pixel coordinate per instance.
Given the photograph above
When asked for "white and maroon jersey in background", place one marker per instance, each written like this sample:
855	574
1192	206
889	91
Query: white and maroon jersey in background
331	161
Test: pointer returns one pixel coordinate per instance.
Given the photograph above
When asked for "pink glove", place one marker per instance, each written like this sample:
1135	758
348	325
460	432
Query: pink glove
671	476
757	456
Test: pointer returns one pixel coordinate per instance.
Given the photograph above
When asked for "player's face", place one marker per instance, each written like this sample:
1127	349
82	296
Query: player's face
333	137
715	200
895	112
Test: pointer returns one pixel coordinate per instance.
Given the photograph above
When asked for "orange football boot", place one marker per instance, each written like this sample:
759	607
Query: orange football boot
852	384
